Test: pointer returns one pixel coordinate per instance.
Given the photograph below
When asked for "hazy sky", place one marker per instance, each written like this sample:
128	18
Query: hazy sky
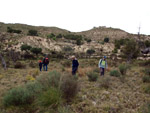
79	15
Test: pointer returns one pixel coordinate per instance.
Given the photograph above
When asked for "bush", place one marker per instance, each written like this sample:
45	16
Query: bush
88	40
115	50
106	39
92	76
59	36
18	97
146	79
123	68
73	37
33	32
50	35
50	80
25	47
114	73
36	50
90	51
147	43
34	88
19	65
78	42
69	87
51	97
10	30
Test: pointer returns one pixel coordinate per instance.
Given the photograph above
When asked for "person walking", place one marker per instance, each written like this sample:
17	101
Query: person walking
75	65
45	63
102	65
40	65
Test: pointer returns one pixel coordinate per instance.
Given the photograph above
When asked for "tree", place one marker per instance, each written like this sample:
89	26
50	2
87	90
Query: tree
25	47
33	32
131	50
36	50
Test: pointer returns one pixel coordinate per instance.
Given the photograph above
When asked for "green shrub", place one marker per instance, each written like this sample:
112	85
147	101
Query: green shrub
33	32
50	35
92	76
18	97
25	47
51	97
10	30
114	73
147	43
123	68
69	87
73	37
90	51
59	36
49	80
131	50
106	39
78	42
36	50
115	50
34	88
146	79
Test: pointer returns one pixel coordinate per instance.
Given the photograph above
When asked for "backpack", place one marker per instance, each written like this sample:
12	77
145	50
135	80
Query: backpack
46	61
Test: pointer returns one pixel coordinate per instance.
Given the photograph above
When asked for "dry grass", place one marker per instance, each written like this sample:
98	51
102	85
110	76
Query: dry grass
115	97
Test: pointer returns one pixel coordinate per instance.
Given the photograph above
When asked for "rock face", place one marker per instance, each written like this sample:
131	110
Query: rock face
49	45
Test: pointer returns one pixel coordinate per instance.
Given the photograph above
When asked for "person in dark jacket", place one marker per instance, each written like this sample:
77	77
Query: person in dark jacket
45	63
40	65
75	65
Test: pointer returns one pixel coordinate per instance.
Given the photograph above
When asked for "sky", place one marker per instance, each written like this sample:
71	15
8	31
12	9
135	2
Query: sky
79	15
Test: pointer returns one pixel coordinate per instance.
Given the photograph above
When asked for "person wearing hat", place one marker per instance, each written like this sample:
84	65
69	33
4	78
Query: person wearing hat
102	65
45	63
40	65
75	65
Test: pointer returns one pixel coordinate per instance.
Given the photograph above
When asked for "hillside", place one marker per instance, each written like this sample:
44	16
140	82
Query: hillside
56	39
